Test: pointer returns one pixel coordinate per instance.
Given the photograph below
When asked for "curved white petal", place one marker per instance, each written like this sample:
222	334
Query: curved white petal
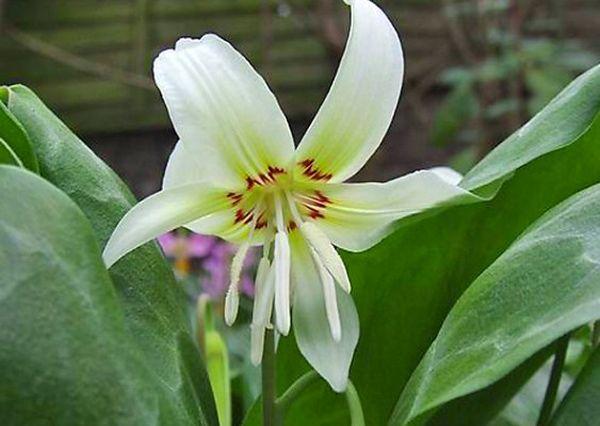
222	110
184	168
161	213
361	214
360	105
330	358
448	174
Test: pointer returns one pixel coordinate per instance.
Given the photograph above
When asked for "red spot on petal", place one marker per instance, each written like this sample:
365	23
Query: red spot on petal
264	178
312	172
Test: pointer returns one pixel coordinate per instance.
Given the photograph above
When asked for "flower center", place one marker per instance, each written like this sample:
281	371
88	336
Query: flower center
272	201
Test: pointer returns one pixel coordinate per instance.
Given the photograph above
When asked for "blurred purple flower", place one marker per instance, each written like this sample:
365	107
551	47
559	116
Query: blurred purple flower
217	266
180	246
216	258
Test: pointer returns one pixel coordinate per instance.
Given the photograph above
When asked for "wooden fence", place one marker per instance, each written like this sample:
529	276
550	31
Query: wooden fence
91	59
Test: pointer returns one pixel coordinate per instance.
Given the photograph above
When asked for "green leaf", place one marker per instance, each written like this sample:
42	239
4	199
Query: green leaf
524	408
580	405
405	286
16	138
154	303
546	284
66	355
7	155
481	407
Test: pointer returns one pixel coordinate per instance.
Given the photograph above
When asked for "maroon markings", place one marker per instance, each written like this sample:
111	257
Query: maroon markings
316	204
261	222
312	172
235	198
244	217
264	178
291	226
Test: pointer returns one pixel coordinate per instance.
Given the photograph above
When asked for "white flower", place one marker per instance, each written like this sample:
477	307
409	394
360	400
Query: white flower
235	174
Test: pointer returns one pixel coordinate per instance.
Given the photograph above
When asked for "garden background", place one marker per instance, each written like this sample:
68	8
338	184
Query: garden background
475	69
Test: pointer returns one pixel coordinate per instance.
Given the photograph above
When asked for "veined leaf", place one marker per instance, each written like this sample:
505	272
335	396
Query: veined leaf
546	284
154	306
66	356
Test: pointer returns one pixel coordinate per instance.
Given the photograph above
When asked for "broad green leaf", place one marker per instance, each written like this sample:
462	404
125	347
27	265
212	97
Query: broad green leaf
8	156
481	407
153	302
524	408
16	138
405	286
546	284
66	356
581	407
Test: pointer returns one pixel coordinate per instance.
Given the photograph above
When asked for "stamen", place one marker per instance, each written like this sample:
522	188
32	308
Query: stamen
232	299
331	307
263	299
294	209
279	222
257	340
329	256
281	264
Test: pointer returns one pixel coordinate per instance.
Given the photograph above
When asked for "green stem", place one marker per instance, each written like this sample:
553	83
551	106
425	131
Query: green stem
268	380
555	375
357	417
294	391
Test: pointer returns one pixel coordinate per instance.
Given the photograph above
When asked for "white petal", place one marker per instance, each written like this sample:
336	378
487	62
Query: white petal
362	214
329	358
333	315
448	174
222	110
327	253
183	168
161	213
281	263
360	106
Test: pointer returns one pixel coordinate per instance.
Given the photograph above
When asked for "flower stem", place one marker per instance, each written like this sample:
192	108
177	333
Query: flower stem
554	381
290	395
357	417
295	390
268	380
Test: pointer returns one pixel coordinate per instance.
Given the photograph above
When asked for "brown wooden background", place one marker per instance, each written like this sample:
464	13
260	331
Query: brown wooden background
90	60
